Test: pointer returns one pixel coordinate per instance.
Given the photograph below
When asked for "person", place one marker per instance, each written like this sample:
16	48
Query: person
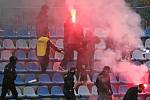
9	78
103	84
132	93
42	21
69	85
73	40
43	51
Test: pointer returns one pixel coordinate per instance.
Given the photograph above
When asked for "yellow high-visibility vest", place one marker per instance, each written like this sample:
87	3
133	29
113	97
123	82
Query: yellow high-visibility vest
42	46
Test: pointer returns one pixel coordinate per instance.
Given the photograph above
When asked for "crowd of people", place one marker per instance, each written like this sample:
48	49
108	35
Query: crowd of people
74	40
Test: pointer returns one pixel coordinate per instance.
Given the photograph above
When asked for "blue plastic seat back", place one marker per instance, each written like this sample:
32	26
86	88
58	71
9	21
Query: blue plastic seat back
20	54
20	66
123	89
44	78
8	44
83	90
32	55
33	66
21	43
30	78
57	77
56	90
19	80
43	91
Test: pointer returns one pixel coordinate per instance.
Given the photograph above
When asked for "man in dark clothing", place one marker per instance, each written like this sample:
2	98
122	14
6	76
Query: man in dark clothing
42	22
132	93
103	85
9	78
69	85
73	40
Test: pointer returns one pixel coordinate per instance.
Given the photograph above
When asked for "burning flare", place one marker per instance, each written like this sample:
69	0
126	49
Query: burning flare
73	15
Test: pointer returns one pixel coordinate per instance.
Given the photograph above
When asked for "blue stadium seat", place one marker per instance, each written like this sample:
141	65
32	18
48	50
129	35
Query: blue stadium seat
137	63
32	43
44	78
147	32
148	64
123	89
22	44
19	80
57	77
1	78
8	32
30	77
8	44
147	56
5	54
147	43
2	65
94	90
59	56
29	92
114	90
83	90
20	66
20	54
32	55
56	90
43	91
33	66
60	43
113	78
137	55
20	94
50	66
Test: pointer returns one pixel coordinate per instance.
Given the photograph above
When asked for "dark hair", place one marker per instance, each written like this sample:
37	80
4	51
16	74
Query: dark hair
106	68
13	59
141	86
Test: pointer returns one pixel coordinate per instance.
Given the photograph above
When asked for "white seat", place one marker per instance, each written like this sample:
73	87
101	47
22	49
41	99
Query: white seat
29	92
8	44
5	54
83	90
94	90
137	55
21	43
32	43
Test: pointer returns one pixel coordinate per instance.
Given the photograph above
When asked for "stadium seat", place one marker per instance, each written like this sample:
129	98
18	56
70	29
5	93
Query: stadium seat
83	90
137	63
29	78
33	66
20	66
101	45
21	44
43	91
1	78
123	89
57	77
29	92
8	44
114	90
19	81
147	43
8	32
20	94
113	78
56	90
147	56
59	56
148	64
56	65
59	43
5	54
137	55
32	43
50	66
94	77
2	65
44	78
32	55
20	54
94	90
147	32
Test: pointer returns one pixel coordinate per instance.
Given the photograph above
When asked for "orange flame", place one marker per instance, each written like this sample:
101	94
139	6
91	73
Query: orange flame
73	15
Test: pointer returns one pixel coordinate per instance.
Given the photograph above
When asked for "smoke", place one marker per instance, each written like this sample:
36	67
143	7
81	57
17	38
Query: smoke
121	27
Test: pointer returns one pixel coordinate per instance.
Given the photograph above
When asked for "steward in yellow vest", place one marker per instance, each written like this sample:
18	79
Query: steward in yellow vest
43	50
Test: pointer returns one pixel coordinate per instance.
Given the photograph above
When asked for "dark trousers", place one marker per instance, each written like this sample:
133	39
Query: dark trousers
69	51
44	62
69	95
6	87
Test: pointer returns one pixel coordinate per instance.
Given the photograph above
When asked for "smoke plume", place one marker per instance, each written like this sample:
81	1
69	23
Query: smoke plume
120	25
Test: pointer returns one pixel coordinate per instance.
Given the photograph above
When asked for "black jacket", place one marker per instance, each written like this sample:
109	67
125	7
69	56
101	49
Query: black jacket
131	94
